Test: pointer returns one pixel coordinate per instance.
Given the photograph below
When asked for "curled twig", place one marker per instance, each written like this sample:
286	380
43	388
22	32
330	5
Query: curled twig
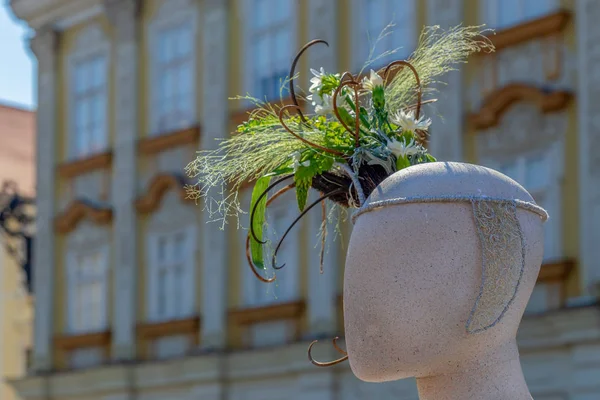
263	194
298	218
325	364
293	68
314	145
416	74
248	255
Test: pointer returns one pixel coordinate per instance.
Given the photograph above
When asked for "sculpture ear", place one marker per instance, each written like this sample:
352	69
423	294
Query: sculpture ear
502	261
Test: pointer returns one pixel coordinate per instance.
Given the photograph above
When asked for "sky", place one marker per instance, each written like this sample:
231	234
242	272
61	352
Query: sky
17	69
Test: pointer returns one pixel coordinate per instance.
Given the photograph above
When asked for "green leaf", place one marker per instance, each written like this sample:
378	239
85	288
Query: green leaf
345	116
302	186
401	163
256	249
430	158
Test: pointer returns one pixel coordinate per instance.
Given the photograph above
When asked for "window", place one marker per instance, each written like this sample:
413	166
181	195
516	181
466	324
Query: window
174	82
171	276
538	174
271	45
372	18
88	292
506	13
89	106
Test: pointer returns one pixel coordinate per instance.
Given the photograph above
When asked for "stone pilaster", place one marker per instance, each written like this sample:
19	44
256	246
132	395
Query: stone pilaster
44	45
123	14
446	140
321	300
588	38
214	121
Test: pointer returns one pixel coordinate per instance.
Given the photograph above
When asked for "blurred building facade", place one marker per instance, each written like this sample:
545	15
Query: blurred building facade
137	297
17	187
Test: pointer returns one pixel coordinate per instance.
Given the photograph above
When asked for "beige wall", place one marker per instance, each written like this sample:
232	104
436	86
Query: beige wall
17	163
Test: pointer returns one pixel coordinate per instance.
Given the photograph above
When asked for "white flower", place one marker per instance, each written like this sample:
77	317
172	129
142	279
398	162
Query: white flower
372	81
401	149
407	121
324	105
296	164
316	80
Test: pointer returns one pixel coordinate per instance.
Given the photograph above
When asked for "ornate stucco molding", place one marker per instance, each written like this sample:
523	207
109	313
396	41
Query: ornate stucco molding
158	187
498	102
79	210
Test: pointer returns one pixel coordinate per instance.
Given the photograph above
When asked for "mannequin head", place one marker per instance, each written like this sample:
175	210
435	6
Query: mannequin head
414	272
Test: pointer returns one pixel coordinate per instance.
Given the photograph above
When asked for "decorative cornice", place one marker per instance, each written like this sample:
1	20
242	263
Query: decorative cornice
535	29
71	342
160	184
71	169
556	272
274	312
498	102
77	211
175	327
156	144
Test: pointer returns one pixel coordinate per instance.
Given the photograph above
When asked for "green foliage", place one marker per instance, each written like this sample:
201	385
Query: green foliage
256	249
318	163
329	83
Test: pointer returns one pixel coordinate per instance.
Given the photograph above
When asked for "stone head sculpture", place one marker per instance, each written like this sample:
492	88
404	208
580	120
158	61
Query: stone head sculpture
442	261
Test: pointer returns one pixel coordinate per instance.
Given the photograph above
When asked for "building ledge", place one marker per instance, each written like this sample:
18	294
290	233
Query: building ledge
74	168
274	312
158	143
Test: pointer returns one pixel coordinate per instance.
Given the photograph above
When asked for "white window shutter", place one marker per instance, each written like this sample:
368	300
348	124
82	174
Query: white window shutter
151	276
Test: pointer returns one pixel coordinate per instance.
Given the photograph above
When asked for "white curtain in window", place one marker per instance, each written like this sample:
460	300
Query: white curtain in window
87	291
174	69
271	40
88	97
171	274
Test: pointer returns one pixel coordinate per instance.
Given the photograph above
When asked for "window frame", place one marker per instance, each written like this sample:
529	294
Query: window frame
73	269
168	17
360	52
154	269
249	34
90	44
489	13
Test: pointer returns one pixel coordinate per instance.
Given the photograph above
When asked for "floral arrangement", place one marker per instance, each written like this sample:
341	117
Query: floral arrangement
360	131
